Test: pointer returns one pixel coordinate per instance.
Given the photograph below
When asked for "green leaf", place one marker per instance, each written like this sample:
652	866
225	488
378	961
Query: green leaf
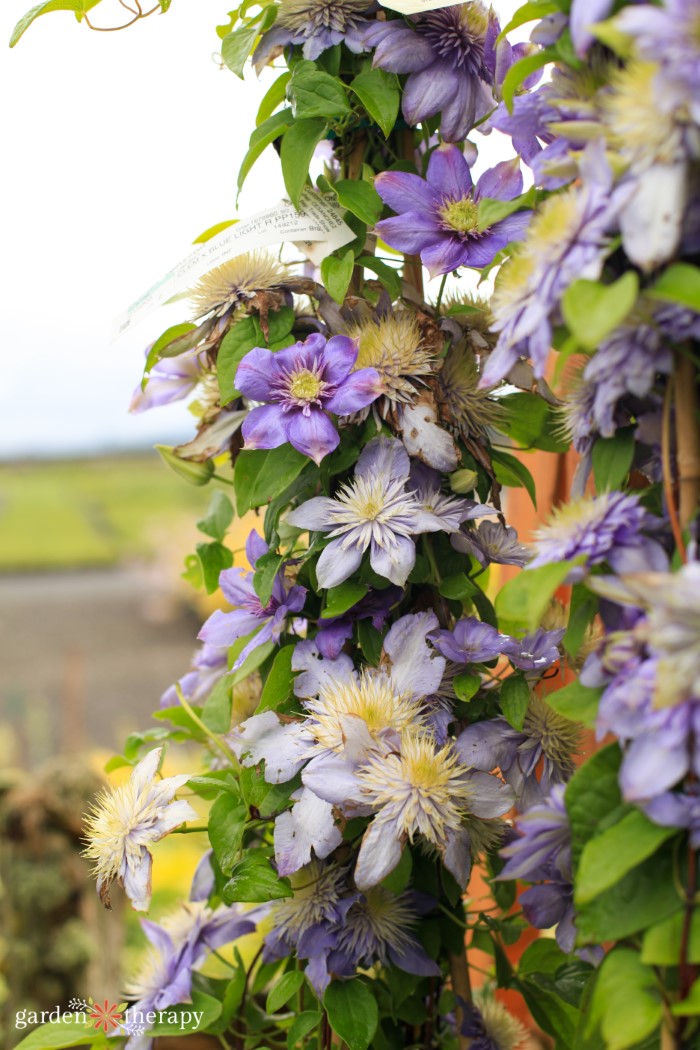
316	94
252	662
304	1023
593	310
285	989
528	13
360	198
521	70
336	274
298	147
253	880
457	587
212	231
466	686
273	97
607	857
398	879
627	1004
262	474
227	820
576	702
661	945
341	598
170	335
219	517
680	283
612	459
213	558
522	601
389	277
370	640
261	138
78	7
690	1006
57	1035
380	95
266	569
237	342
512	473
591	794
492	211
532	422
352	1012
236	47
216	712
207	1005
514	699
582	610
278	685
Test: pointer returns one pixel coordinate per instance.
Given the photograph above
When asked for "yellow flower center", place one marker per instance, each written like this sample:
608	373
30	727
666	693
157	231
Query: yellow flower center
462	216
305	385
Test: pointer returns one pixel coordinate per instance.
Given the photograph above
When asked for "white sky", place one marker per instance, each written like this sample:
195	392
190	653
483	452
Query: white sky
120	148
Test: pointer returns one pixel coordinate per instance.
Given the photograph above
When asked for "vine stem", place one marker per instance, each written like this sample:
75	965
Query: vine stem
412	267
687	438
462	988
667	472
217	741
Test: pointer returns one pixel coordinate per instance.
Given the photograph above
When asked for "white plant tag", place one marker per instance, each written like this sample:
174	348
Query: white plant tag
318	223
414	7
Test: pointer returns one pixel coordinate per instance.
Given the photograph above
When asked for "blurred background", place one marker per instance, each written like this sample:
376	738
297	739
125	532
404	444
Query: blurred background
120	149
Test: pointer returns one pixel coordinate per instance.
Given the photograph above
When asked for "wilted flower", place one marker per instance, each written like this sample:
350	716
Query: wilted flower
376	511
451	59
222	629
377	928
313	25
602	528
439	218
301	385
471	642
395	347
235	283
450	511
567	240
490	542
543	854
546	737
125	820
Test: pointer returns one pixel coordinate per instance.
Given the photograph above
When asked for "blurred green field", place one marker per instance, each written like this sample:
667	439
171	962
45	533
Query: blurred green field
90	512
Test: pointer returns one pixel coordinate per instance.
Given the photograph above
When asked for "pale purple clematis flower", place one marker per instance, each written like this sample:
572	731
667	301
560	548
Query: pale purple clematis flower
336	630
171	379
125	820
566	240
374	511
314	26
543	854
176	949
222	629
208	666
491	542
301	385
449	510
609	527
305	830
438	217
583	15
471	642
452	61
677	810
536	652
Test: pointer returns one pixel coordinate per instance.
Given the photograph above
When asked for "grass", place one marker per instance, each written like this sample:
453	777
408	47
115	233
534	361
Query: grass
90	512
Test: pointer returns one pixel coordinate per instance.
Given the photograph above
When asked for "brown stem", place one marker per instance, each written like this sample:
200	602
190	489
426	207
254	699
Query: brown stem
462	988
687	438
353	170
412	266
667	472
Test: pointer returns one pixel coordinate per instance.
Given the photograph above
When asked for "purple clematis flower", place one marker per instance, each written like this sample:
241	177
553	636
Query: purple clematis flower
543	854
301	385
677	810
376	511
536	652
438	217
452	61
471	642
583	15
336	630
491	542
608	527
313	25
171	379
222	629
208	666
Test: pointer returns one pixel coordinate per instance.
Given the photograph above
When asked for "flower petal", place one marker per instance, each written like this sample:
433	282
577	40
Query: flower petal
309	825
415	669
379	854
357	391
446	255
427	91
395	562
313	514
283	747
265	427
449	172
223	629
409	232
386	456
254	373
503	182
337	563
399	49
313	435
339	355
403	191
